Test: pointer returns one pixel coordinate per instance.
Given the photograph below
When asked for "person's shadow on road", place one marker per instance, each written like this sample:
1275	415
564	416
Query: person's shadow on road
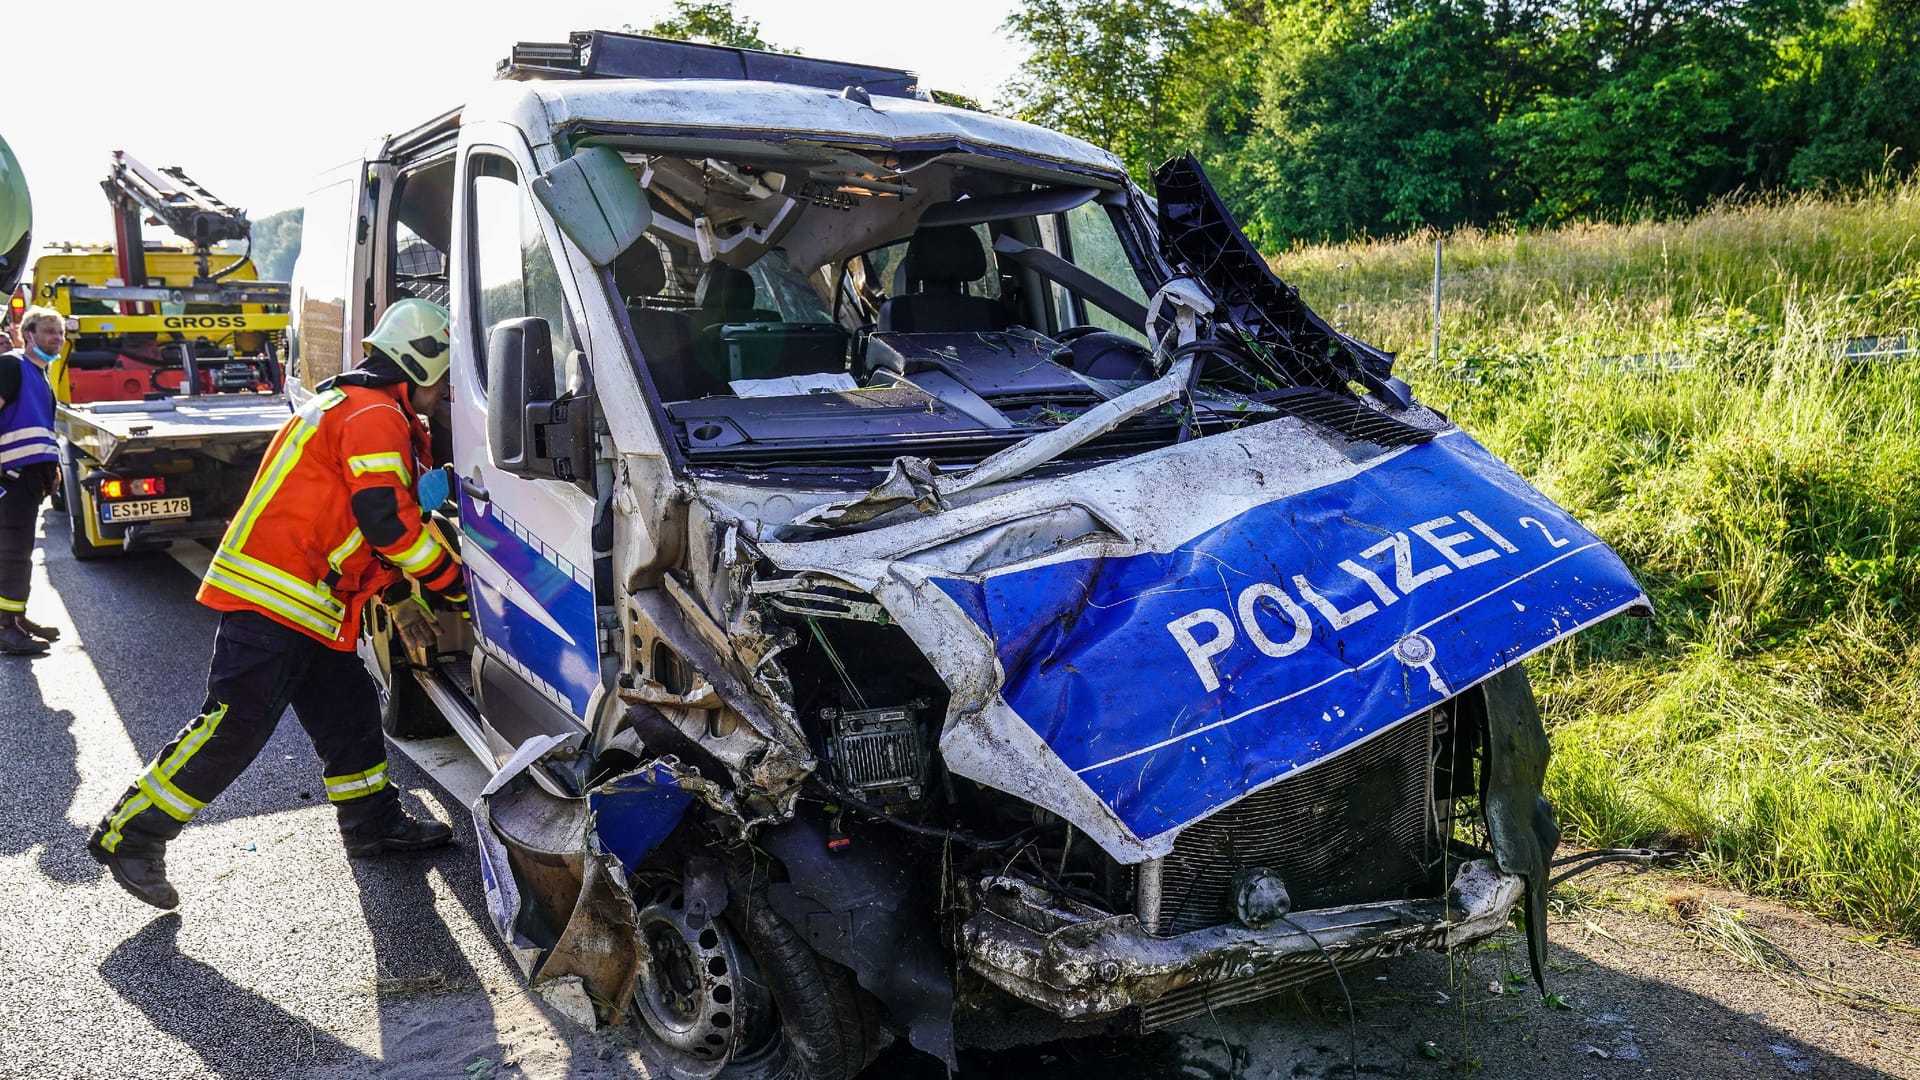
417	960
39	737
232	1028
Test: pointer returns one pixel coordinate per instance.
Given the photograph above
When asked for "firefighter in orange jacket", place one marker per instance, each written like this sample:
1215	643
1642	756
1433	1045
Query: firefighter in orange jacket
329	523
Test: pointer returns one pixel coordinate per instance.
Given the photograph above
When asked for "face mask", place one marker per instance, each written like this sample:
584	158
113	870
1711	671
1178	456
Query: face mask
45	355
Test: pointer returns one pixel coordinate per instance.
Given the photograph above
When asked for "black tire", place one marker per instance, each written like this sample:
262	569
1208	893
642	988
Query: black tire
829	1028
406	712
76	506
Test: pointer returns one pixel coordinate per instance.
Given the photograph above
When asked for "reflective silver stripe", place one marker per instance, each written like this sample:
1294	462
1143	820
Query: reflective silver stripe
22	434
27	450
272	601
341	554
309	593
12	605
178	804
341	788
307	423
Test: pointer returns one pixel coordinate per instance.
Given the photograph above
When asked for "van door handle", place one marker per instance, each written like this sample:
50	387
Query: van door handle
475	489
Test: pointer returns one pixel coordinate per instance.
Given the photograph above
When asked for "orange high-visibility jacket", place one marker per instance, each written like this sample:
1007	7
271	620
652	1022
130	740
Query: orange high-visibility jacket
331	518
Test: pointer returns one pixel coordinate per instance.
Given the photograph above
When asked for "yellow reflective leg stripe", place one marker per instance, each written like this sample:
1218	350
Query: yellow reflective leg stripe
13	605
157	782
362	464
356	785
272	601
419	555
128	810
198	733
178	804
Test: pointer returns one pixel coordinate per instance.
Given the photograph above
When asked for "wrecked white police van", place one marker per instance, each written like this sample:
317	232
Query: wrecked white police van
915	570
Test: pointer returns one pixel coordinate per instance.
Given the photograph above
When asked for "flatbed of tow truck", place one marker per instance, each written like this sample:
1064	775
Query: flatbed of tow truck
225	427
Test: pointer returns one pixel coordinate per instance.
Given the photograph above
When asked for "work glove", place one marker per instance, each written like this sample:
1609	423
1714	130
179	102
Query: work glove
415	624
452	598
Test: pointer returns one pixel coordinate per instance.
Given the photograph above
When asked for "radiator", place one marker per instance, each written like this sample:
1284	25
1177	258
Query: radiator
1356	828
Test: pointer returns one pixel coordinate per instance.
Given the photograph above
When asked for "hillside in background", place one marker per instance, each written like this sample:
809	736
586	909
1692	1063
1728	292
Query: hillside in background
1724	399
276	243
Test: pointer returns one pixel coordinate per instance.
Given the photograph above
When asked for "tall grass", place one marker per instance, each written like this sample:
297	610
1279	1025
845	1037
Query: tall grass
1679	386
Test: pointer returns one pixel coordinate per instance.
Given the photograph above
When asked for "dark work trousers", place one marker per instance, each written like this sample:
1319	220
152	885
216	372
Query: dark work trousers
19	514
259	668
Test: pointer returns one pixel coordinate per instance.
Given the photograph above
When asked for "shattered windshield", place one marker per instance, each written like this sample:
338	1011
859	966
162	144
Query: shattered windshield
850	311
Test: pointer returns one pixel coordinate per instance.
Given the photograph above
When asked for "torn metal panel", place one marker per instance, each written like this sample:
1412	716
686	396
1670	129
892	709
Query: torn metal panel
759	741
1085	965
1520	821
1198	236
555	880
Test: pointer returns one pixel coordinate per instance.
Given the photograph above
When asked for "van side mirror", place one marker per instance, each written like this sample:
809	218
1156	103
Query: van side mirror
532	430
595	199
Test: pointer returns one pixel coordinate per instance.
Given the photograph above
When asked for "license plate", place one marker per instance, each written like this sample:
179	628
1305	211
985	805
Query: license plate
145	509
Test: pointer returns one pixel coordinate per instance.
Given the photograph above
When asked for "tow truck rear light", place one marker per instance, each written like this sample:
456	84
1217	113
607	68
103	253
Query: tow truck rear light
144	487
17	304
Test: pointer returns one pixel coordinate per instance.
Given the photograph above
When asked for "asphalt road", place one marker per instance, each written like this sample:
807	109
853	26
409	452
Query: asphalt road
288	960
284	958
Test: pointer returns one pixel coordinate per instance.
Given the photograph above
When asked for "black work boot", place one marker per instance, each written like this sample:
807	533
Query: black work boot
142	872
397	833
34	629
17	642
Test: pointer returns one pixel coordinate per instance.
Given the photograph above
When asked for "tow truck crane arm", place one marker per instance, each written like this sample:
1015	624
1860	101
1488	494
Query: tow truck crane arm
179	203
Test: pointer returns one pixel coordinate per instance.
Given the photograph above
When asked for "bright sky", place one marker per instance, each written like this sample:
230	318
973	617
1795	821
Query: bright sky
255	99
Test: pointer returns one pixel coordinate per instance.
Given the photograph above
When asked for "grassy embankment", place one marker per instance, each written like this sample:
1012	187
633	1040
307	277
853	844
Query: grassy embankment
1767	494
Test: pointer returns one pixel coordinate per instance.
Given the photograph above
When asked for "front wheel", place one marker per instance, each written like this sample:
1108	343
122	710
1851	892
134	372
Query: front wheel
743	997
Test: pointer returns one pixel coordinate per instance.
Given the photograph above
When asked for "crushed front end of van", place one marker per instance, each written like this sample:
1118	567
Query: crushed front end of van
994	587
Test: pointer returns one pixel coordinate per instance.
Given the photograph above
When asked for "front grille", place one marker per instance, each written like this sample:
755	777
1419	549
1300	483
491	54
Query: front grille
1355	829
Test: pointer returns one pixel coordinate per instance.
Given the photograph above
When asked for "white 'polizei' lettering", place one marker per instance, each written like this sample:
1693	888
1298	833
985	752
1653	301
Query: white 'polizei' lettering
1371	580
1227	630
1336	618
1446	544
1403	576
1504	544
1200	653
1250	598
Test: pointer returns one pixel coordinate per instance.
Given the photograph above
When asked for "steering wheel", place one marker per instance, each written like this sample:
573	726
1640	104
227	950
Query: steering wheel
1075	333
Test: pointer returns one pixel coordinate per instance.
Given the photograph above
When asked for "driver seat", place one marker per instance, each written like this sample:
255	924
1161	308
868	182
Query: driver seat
941	259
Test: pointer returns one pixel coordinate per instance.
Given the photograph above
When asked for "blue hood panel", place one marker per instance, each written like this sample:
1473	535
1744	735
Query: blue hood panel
1172	683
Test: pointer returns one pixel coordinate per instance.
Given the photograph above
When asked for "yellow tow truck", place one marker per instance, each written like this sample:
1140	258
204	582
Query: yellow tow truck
170	387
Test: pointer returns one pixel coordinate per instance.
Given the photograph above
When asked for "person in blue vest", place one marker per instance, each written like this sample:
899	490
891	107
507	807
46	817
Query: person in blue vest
29	467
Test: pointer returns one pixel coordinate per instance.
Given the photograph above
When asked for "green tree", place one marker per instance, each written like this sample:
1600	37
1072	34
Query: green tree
1122	74
1325	119
713	22
1374	116
1843	105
